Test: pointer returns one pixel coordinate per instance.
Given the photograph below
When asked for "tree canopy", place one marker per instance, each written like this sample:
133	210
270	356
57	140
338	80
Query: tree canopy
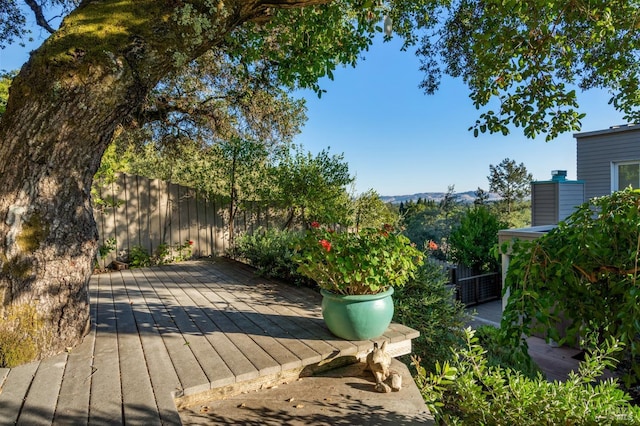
522	61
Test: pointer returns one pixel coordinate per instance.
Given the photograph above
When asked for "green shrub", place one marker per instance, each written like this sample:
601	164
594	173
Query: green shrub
472	242
138	257
426	305
469	391
270	251
182	252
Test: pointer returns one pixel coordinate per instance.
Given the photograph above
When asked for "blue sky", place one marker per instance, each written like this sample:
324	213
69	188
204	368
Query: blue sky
399	141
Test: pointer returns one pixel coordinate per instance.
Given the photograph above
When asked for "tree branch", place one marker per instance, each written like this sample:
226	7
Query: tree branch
40	19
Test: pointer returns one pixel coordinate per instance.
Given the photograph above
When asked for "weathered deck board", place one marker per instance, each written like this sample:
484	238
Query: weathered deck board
227	319
40	403
236	361
174	331
164	310
138	400
105	404
297	308
159	364
14	391
216	372
73	402
262	315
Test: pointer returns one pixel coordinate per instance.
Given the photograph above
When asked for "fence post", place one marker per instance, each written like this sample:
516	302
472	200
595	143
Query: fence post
453	278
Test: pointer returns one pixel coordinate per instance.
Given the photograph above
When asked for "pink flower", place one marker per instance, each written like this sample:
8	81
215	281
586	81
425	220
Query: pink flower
315	224
325	244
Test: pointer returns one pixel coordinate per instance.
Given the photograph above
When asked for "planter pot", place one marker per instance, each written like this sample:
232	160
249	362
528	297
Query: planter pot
359	317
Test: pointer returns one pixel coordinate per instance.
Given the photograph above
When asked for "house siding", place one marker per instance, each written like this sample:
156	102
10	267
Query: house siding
596	151
571	195
544	203
552	202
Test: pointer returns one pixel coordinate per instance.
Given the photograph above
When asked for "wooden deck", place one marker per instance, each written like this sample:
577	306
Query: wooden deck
167	336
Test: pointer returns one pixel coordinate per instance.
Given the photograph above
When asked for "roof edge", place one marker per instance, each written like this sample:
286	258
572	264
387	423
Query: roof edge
613	129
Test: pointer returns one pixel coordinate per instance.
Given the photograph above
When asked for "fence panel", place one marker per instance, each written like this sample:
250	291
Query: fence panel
471	289
148	212
479	288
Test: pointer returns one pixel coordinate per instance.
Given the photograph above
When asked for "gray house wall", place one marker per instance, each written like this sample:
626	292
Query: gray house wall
544	209
553	201
571	195
597	151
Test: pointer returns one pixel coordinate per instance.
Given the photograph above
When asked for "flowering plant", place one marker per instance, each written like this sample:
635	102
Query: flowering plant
368	262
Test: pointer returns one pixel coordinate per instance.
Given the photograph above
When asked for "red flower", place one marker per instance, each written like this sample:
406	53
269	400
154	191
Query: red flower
325	244
315	224
387	227
190	242
432	245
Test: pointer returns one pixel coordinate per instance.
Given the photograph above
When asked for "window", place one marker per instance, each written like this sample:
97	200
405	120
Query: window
624	174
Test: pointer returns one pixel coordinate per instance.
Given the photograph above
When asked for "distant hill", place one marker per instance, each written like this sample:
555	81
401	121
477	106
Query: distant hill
464	197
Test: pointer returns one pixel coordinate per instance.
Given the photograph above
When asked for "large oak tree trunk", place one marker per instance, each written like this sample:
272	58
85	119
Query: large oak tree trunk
63	109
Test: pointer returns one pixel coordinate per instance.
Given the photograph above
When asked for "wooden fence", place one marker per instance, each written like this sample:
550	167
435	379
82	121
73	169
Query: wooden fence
145	213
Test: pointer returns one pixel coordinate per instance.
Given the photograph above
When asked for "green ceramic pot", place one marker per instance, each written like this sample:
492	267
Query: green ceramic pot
359	317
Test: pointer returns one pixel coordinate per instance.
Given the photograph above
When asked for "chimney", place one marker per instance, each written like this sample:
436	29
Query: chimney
558	175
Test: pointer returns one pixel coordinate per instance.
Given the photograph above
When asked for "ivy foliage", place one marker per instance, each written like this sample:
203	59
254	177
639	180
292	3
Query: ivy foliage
585	272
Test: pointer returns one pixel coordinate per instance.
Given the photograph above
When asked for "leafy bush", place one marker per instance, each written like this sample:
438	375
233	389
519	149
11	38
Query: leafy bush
426	305
270	251
585	271
472	241
469	391
138	257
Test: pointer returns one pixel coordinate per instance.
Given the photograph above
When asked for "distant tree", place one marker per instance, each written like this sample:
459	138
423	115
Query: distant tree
241	164
511	181
433	221
450	201
482	197
311	188
371	212
413	208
